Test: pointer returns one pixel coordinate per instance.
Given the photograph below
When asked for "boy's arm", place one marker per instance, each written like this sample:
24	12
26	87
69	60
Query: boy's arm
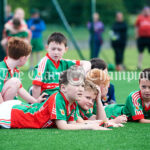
36	91
61	124
26	96
1	98
86	65
100	113
144	121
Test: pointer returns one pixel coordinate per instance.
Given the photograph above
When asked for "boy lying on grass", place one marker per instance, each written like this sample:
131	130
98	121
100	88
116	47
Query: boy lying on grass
137	107
60	109
96	87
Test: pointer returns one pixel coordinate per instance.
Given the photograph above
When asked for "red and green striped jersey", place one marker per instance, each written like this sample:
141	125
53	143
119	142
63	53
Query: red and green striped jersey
43	115
47	72
135	109
6	73
85	115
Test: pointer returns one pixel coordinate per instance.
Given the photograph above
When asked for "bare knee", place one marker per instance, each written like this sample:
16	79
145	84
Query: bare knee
13	83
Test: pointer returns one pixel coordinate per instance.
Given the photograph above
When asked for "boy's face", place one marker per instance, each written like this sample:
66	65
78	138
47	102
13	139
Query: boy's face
73	92
145	89
22	60
56	50
87	100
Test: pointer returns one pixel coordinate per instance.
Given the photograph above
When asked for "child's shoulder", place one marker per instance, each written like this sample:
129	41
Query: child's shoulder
134	95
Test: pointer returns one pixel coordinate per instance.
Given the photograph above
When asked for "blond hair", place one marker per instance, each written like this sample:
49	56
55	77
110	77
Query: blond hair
90	86
98	77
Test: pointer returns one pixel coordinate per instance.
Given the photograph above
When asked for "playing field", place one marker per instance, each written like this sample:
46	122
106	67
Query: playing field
132	136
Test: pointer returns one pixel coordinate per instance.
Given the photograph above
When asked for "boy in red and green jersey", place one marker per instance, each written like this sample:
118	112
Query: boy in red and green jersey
41	115
46	73
10	84
134	109
60	109
6	73
137	107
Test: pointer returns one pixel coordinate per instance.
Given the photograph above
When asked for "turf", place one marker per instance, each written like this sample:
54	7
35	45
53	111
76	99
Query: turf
132	136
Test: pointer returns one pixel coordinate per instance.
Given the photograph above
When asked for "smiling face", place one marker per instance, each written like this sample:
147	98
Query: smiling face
56	50
87	100
145	89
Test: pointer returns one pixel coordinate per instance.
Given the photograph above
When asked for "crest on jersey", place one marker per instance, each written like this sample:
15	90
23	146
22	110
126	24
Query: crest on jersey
62	112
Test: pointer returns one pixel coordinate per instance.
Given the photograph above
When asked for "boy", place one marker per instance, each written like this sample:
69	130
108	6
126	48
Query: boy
60	109
94	93
100	64
10	85
46	75
137	107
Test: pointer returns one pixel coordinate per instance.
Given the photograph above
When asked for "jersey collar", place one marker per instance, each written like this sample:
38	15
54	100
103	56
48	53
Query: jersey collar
54	63
9	70
69	109
144	106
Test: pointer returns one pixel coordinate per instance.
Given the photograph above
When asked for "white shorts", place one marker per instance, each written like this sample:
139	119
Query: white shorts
5	112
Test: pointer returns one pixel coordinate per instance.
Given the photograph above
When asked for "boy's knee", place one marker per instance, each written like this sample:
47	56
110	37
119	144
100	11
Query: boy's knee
14	82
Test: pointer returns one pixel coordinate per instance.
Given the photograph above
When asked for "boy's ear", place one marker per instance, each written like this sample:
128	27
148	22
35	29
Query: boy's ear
46	46
66	49
63	88
22	58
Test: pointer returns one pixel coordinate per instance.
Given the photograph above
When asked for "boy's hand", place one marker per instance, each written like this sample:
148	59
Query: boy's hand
99	93
42	98
108	124
97	127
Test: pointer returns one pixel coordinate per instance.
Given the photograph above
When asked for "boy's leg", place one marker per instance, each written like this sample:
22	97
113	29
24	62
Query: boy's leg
10	89
5	112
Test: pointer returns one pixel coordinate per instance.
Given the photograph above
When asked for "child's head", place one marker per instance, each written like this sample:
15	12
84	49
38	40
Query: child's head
19	13
99	64
100	78
89	95
72	90
144	83
18	49
16	23
57	46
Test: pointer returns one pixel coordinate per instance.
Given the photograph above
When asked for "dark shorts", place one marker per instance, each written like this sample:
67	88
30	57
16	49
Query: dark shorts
142	43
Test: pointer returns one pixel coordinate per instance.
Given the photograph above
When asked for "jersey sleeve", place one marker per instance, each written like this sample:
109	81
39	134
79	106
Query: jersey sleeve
57	108
134	107
1	80
72	63
39	72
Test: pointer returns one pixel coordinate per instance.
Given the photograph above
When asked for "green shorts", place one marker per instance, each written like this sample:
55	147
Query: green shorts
37	44
113	110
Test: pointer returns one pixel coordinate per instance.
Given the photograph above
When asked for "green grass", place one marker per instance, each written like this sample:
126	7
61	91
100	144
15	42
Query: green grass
132	136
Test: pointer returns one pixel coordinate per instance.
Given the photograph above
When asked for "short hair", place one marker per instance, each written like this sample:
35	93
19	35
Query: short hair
63	78
98	63
90	86
16	22
145	74
98	77
17	48
58	38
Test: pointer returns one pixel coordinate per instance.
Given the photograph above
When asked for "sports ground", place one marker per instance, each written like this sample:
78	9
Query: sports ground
133	136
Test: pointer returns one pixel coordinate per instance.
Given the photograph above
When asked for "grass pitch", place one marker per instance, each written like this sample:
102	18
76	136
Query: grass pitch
133	136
